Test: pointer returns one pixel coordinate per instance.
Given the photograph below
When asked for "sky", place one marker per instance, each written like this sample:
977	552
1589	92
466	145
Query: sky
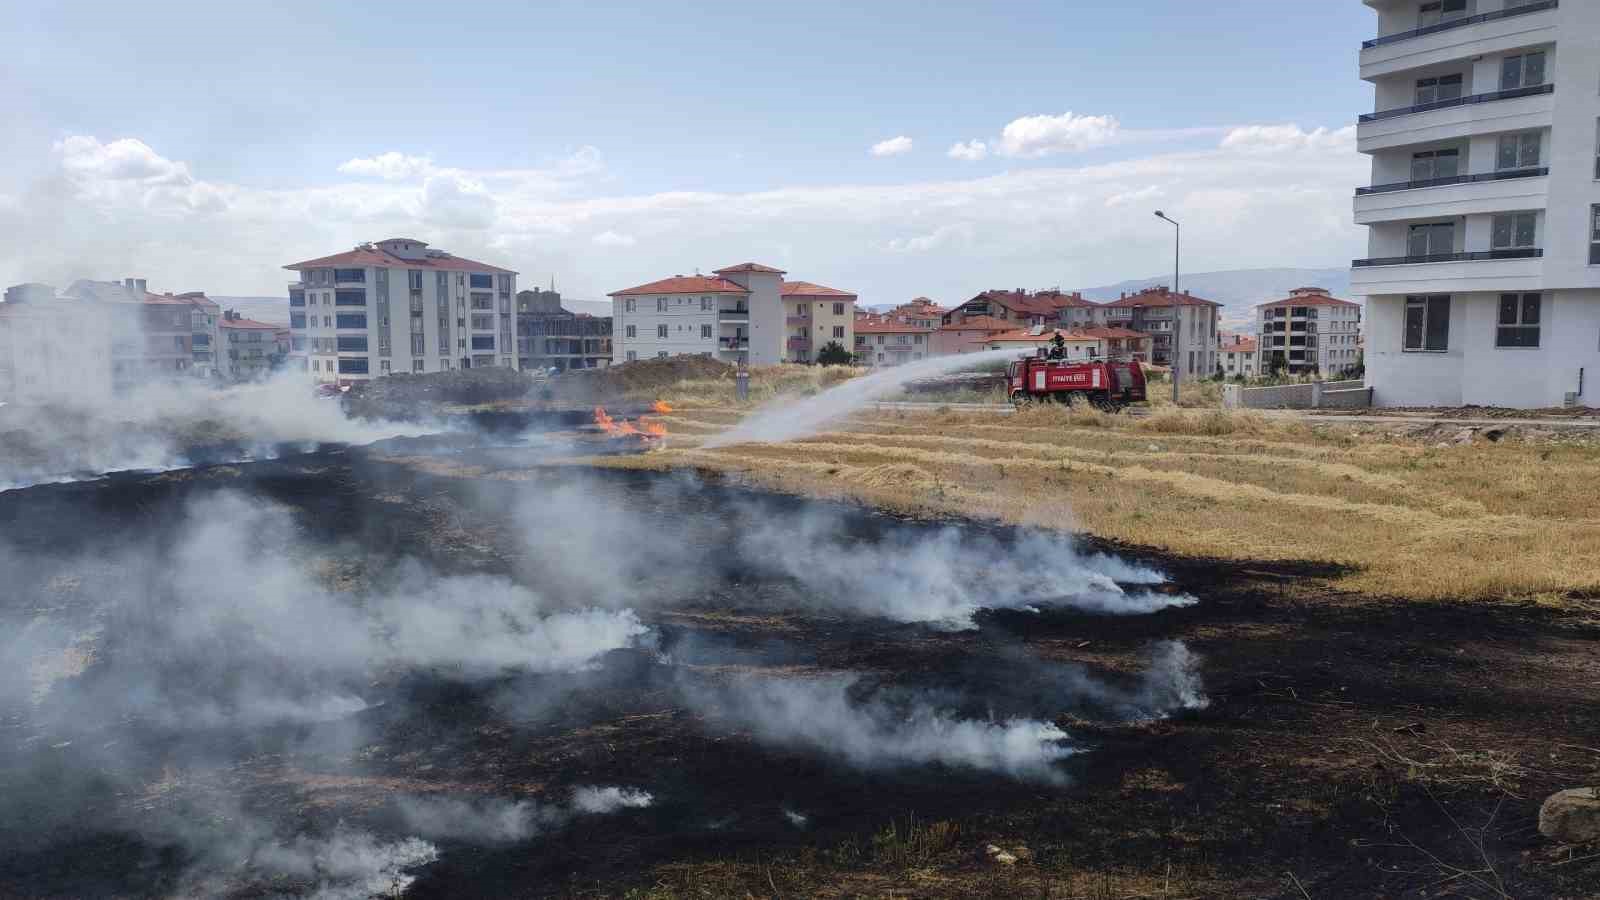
894	149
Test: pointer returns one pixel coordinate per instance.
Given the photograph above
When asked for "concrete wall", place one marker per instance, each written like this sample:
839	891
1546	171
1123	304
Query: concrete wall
1317	395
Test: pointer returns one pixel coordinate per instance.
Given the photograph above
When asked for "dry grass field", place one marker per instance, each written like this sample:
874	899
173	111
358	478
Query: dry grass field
1407	518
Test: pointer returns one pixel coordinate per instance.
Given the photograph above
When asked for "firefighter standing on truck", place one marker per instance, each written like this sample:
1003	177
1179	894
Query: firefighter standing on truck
1058	347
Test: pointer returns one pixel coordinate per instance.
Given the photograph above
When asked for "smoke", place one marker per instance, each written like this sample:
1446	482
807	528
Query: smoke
788	421
945	576
496	821
878	733
173	424
347	865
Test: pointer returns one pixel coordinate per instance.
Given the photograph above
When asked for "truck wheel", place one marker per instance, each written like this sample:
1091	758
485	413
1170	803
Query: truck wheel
1019	398
1078	400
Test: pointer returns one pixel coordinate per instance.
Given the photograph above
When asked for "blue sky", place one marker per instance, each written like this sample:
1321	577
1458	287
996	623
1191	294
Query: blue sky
607	143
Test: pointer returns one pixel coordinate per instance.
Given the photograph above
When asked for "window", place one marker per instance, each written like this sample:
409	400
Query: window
297	298
705	331
1517	151
1432	164
661	304
483	342
1438	90
383	366
1440	11
351	320
628	305
316	365
705	304
632	356
483	323
633	331
353	343
356	366
353	275
1594	235
418	346
880	338
1431	240
1526	70
414	278
350	298
297	320
838	309
661	331
416	365
1427	325
1518	325
1513	230
482	281
661	355
483	301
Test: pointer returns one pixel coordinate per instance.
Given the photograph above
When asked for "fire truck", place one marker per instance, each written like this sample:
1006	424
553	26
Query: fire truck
1109	384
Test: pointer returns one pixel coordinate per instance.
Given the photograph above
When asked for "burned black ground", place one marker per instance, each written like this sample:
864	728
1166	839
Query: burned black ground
1360	746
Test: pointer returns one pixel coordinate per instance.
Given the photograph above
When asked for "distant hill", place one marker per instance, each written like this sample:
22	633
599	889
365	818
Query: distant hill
1238	290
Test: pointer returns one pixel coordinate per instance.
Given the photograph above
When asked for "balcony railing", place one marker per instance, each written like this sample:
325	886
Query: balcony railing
1454	179
734	311
1462	22
732	344
796	320
1473	256
799	342
1458	101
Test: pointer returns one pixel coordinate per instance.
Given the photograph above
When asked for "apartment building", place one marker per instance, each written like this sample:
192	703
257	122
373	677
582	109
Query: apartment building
399	306
1092	342
1159	313
919	311
740	314
1019	308
882	341
1482	275
551	337
248	349
53	348
1308	332
1237	355
967	333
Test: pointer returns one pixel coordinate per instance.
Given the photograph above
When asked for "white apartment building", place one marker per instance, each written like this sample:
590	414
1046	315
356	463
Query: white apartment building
1237	355
399	306
247	347
1309	331
741	314
1483	271
53	348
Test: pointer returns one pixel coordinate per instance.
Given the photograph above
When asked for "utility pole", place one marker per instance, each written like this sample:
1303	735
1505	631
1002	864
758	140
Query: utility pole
1177	308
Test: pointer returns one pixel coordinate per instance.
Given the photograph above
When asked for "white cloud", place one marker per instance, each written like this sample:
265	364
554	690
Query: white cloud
610	238
1034	136
106	210
1126	197
391	166
970	151
127	159
894	146
1288	138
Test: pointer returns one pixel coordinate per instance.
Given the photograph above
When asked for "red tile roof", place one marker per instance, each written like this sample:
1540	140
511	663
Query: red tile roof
1159	297
808	289
1039	303
247	324
366	255
1244	345
684	284
751	267
884	327
1308	297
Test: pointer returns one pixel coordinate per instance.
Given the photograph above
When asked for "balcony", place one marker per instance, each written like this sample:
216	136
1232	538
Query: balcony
796	342
800	321
1444	273
1519	109
733	344
734	314
1462	38
1462	195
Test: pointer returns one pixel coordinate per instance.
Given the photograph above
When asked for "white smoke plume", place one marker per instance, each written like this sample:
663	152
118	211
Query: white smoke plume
498	821
788	420
821	715
348	865
945	576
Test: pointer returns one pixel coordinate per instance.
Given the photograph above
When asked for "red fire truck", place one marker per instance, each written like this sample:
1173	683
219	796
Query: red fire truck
1104	383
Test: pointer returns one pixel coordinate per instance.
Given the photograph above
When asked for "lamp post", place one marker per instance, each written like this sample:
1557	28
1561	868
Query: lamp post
1177	323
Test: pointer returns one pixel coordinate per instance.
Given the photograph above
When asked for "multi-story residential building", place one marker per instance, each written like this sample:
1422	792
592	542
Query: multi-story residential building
1482	275
1021	308
1237	355
551	337
919	311
1307	332
1158	312
248	349
744	313
882	341
399	306
52	348
1091	342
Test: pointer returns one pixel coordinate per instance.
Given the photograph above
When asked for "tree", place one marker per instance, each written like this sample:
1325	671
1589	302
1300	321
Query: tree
833	353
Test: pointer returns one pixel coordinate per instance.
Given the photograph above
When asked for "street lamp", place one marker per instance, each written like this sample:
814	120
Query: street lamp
1177	323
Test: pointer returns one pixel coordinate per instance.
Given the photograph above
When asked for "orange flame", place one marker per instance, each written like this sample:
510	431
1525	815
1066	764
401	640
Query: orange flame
625	428
662	407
